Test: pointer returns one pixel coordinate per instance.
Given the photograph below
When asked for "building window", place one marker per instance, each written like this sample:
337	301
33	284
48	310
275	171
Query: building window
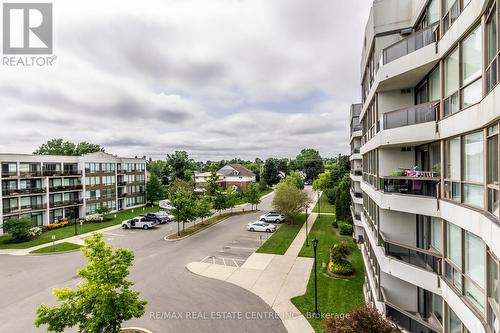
493	294
474	269
451	82
493	171
471	65
491	49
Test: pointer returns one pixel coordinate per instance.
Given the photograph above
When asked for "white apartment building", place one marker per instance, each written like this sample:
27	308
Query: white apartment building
47	188
356	160
430	179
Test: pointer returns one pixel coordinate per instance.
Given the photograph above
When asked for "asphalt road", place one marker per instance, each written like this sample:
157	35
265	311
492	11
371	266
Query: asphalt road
159	273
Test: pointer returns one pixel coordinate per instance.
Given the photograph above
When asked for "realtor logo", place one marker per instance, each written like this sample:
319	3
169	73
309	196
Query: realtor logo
27	28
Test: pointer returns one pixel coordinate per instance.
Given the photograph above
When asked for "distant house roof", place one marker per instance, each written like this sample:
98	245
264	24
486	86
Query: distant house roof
240	170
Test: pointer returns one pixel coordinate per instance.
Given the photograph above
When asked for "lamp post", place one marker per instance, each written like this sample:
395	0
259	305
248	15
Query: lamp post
315	313
319	205
307	238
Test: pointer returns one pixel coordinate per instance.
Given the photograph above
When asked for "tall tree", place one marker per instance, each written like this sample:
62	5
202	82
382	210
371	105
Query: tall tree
343	199
181	166
184	208
219	201
154	189
290	200
310	162
270	172
295	179
203	207
159	169
212	183
66	148
103	301
252	195
231	199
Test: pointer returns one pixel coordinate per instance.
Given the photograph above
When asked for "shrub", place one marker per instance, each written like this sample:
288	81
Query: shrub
59	224
340	251
331	194
19	229
35	232
343	267
363	319
345	229
93	218
335	224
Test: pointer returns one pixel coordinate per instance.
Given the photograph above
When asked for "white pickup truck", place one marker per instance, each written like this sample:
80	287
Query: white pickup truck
138	223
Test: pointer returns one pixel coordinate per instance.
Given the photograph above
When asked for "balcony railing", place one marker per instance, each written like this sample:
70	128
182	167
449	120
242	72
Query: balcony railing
30	174
122	183
73	202
355	216
424	186
357	172
355	151
355	194
72	173
9	174
51	173
414	42
417	114
21	191
19	209
65	188
426	259
410	321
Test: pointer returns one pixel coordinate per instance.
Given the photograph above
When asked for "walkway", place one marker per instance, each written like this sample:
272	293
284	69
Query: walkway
274	278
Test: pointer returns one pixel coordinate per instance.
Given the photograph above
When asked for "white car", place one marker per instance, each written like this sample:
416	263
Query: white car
138	223
261	226
272	217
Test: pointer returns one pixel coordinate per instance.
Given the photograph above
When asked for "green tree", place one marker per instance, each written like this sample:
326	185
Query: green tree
203	207
252	194
270	172
310	162
219	201
19	229
66	148
103	301
184	208
290	200
295	179
231	199
104	211
343	199
212	183
322	182
159	169
154	189
181	166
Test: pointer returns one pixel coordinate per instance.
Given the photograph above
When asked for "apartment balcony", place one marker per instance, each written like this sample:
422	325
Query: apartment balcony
410	321
72	173
420	185
122	183
22	209
73	202
356	156
357	197
31	174
66	188
425	259
9	174
135	194
52	173
412	43
356	217
413	115
122	195
22	191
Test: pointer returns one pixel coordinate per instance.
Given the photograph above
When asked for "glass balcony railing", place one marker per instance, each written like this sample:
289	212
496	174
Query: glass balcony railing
23	208
415	41
66	188
417	114
72	202
426	259
357	172
424	186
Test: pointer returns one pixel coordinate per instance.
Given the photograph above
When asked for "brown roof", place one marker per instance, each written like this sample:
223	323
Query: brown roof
241	169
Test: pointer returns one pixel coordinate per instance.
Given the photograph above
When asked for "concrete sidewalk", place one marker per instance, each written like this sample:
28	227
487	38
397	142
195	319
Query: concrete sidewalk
274	278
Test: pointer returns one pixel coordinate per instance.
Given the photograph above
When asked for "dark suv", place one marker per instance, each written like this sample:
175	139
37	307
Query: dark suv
156	217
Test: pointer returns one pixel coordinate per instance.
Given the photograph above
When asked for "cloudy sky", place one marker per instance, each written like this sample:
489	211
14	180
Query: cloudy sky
218	78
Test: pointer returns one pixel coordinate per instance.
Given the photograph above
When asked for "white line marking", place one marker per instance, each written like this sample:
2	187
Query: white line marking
213	260
224	261
235	263
203	260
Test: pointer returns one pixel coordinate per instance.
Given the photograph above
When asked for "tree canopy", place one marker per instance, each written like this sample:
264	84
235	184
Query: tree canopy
290	200
103	300
310	162
66	148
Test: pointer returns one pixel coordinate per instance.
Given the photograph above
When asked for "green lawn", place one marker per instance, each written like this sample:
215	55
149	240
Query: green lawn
69	231
325	206
61	247
335	296
279	242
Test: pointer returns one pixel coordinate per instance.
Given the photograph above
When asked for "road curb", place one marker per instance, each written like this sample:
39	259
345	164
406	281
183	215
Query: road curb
136	329
51	254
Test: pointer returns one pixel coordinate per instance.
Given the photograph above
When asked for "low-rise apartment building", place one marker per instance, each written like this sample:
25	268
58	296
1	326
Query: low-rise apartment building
430	153
47	188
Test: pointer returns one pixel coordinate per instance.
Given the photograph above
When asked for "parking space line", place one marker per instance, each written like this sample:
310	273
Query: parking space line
242	248
203	260
224	261
235	263
213	260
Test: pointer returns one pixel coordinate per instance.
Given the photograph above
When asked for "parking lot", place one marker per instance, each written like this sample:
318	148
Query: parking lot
236	252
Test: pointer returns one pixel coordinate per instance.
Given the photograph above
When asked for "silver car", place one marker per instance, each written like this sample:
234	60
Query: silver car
261	226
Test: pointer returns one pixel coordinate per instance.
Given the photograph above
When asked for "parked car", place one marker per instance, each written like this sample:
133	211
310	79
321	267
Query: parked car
159	217
272	217
138	223
261	226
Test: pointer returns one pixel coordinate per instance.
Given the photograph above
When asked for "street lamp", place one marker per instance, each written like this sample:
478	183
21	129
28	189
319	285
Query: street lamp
319	205
315	313
307	238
